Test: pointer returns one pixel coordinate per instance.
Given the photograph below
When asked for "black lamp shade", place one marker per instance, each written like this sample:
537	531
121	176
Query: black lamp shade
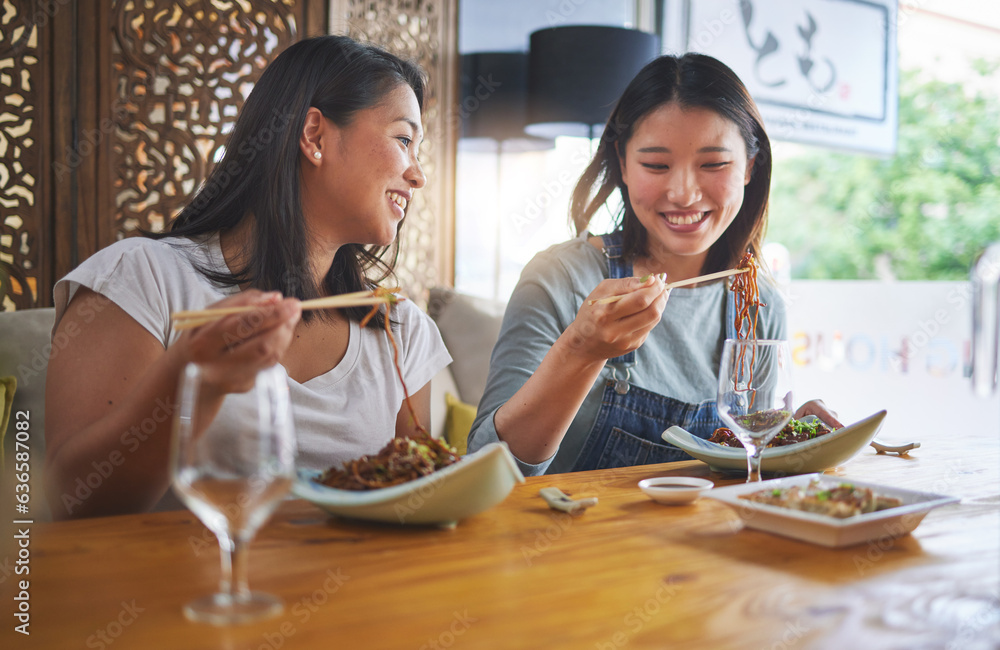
577	73
493	103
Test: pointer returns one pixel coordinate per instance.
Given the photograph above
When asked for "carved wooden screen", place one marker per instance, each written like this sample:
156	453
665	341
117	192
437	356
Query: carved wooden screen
113	112
22	164
424	32
182	70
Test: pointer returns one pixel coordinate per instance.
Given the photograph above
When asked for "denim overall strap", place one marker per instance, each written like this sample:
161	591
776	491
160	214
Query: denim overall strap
629	425
618	267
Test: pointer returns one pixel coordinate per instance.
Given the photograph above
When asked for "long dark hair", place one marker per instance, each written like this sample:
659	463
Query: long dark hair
693	81
259	173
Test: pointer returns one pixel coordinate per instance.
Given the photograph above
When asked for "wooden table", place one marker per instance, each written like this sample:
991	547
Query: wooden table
628	573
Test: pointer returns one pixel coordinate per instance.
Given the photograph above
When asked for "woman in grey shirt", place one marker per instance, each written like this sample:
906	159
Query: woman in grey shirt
575	385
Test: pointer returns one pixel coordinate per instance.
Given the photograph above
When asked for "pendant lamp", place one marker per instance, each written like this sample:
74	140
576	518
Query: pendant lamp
577	73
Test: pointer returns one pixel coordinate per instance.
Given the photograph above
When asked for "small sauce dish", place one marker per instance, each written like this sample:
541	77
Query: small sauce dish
674	490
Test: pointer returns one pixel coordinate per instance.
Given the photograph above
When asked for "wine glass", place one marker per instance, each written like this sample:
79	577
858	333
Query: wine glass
233	459
755	394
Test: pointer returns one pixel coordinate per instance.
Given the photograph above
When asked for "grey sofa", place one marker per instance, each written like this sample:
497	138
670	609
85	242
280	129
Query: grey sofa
25	348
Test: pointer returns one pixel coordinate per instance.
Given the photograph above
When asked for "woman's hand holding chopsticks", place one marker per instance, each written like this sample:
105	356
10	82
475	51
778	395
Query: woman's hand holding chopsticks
607	329
543	408
232	349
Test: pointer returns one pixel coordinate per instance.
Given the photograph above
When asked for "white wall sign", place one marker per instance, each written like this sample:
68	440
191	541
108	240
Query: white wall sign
821	71
864	346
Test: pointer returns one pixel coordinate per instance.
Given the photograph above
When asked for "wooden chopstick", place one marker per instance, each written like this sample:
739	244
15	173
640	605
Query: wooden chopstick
671	285
185	320
706	278
225	311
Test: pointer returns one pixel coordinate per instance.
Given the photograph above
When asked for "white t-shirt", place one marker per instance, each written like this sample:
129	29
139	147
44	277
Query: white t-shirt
340	415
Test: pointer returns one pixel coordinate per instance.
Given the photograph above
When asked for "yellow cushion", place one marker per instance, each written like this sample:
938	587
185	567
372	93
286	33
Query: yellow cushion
458	422
7	386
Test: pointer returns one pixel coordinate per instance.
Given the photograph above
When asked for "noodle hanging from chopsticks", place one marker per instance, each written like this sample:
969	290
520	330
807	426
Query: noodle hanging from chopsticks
395	353
747	297
402	459
748	304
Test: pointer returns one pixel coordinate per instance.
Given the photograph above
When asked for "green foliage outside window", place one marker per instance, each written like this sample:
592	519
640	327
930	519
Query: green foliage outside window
923	214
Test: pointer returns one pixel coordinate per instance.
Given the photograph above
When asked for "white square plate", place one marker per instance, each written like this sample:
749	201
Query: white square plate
825	530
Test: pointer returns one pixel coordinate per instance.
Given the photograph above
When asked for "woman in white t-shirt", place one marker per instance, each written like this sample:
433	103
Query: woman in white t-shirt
306	202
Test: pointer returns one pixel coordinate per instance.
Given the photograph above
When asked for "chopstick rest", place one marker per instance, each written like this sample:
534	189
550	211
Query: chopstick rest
558	500
902	449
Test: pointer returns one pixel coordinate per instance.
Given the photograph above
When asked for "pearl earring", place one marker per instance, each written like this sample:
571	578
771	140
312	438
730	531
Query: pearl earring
317	155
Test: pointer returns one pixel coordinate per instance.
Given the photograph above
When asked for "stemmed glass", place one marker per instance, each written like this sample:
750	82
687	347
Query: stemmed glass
233	459
755	394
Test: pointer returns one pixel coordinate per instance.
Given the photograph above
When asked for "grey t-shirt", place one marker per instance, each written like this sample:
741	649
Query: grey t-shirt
680	357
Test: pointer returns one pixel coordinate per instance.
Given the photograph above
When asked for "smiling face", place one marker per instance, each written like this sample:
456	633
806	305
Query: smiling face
685	169
356	192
